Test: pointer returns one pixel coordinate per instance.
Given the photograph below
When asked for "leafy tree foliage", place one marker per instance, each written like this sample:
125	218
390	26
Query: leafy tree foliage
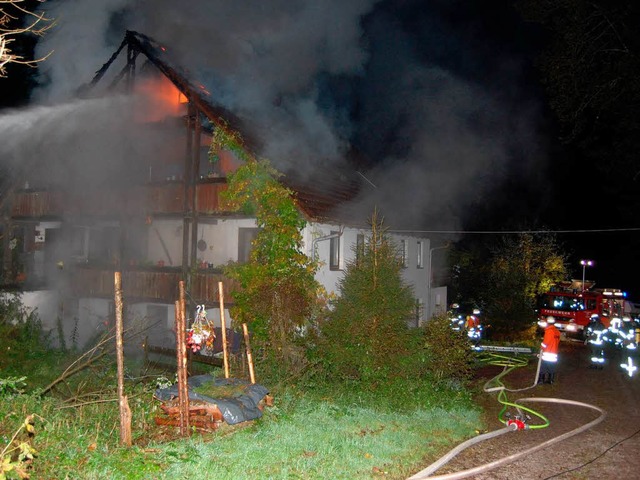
279	290
590	71
590	66
366	337
507	276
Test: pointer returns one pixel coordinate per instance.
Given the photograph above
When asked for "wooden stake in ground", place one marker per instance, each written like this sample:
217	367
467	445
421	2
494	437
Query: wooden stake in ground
223	327
181	361
125	411
247	345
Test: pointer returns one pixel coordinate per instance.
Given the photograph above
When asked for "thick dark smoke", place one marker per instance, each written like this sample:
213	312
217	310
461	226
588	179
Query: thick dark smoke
415	87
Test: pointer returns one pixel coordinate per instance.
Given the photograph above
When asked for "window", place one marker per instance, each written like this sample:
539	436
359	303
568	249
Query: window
79	243
403	253
420	254
334	251
359	248
104	244
246	236
563	303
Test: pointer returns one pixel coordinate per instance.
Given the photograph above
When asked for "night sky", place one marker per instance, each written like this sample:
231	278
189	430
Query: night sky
441	100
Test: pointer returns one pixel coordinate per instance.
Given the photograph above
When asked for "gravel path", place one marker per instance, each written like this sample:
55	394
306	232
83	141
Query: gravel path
609	450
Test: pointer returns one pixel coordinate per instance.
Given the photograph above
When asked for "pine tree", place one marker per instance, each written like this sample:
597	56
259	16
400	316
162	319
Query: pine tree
366	337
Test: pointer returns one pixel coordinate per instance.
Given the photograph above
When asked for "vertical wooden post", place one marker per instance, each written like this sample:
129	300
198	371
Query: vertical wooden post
247	345
223	328
125	411
193	184
181	360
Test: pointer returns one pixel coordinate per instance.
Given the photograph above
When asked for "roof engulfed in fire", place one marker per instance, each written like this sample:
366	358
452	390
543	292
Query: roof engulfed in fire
139	43
321	196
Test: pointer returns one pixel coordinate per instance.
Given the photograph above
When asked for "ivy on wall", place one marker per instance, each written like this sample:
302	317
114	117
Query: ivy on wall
279	291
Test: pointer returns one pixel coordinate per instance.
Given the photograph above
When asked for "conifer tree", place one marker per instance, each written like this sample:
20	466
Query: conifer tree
366	337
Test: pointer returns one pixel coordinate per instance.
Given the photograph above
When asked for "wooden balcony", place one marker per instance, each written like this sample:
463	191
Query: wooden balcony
36	204
162	198
151	284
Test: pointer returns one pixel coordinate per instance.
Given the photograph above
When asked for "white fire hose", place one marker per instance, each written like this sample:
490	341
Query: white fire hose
425	473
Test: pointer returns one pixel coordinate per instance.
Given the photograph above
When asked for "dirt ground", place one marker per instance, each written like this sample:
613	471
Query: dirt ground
609	450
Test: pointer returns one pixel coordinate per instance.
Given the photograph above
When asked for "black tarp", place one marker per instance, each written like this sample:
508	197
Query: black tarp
234	410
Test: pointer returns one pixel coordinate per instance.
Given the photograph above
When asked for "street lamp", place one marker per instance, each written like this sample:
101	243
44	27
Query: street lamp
585	264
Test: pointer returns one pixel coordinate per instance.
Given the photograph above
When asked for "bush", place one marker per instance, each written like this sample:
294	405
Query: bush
21	336
448	352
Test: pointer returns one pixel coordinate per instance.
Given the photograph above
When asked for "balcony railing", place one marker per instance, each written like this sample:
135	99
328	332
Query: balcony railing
154	284
165	198
36	204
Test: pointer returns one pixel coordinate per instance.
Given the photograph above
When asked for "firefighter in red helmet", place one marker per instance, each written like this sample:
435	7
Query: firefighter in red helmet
549	352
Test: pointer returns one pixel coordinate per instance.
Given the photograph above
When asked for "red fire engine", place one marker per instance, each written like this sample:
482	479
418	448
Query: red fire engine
572	307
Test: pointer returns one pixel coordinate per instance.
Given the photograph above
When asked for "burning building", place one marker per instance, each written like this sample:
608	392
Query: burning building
151	209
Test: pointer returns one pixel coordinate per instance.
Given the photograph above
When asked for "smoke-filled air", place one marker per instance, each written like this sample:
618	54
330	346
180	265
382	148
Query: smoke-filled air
435	123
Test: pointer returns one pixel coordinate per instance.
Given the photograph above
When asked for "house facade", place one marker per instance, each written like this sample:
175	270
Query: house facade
166	223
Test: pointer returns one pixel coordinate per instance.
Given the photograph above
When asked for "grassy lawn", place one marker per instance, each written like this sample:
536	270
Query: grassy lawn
329	433
317	427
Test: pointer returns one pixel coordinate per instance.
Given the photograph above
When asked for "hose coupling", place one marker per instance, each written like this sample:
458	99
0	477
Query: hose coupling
520	424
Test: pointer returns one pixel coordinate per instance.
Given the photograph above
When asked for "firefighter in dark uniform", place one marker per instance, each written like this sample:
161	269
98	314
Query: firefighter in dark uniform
596	341
630	333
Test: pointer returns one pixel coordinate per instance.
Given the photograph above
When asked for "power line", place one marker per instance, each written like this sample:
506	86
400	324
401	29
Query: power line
595	458
515	232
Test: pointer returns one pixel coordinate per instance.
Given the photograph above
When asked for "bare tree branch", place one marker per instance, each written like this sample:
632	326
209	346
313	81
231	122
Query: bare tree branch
11	14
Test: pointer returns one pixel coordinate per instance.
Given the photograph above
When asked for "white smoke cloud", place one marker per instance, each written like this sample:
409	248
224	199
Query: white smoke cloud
439	139
259	59
83	144
76	45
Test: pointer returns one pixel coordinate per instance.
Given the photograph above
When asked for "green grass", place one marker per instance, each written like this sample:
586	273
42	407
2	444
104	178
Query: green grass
305	435
316	429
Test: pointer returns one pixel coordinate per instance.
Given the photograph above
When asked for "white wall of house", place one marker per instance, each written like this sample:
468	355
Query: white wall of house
222	240
164	243
219	235
45	304
162	315
94	315
439	301
317	243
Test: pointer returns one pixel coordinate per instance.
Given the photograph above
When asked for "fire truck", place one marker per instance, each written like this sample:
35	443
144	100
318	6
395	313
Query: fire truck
572	304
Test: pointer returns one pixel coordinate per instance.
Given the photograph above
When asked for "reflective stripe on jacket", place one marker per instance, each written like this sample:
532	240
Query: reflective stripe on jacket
550	344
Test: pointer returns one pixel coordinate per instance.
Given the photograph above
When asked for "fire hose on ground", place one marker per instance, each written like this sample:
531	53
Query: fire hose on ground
512	425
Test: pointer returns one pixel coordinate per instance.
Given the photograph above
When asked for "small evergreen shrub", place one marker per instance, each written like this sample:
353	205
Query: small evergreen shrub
366	337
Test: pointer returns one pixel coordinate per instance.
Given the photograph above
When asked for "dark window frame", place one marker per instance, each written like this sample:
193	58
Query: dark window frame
334	251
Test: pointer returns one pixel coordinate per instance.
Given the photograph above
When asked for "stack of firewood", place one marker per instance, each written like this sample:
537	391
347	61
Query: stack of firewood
203	416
